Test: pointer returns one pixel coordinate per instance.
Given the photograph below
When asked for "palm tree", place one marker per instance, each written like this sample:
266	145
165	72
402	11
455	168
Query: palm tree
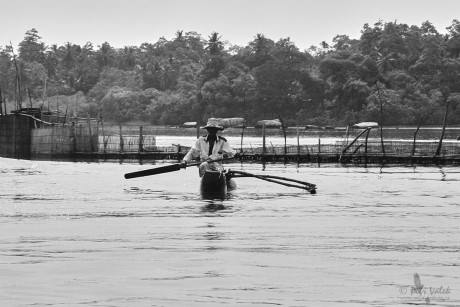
128	58
214	44
105	54
179	36
69	59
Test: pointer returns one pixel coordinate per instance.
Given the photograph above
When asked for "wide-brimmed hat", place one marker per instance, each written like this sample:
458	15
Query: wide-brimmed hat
214	123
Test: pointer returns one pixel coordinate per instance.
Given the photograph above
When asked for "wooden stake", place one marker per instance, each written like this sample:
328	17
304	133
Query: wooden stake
44	93
121	140
74	140
90	134
367	137
298	141
141	140
57	115
284	134
345	141
381	119
263	141
65	115
438	150
242	135
415	136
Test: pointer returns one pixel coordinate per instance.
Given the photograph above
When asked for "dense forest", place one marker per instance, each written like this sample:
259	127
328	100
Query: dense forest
405	73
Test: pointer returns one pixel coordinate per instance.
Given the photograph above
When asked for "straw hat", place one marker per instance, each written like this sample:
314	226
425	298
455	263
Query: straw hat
214	123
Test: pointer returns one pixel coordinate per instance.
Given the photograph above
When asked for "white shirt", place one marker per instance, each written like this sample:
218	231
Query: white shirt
201	149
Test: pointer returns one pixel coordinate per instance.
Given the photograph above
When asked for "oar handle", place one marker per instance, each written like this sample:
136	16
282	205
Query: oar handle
209	161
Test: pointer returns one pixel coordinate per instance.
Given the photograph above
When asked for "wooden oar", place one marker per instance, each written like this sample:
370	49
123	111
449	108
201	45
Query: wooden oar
166	169
276	179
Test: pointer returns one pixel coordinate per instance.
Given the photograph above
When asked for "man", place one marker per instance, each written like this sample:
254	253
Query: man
210	147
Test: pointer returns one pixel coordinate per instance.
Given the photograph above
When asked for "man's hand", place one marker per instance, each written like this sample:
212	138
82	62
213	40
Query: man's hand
183	164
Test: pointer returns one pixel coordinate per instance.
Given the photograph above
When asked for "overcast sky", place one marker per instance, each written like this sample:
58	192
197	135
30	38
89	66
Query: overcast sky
133	22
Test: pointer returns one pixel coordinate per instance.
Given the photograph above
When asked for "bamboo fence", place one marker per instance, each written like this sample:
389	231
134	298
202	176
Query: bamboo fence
26	137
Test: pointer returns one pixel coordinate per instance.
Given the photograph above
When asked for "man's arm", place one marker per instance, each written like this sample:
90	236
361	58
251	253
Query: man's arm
227	150
192	153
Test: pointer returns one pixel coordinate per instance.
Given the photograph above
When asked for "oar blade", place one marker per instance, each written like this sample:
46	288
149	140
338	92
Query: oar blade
153	171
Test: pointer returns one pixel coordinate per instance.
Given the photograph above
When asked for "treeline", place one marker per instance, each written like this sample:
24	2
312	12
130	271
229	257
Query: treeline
408	72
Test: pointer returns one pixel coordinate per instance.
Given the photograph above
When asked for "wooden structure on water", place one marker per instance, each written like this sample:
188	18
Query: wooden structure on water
15	136
23	136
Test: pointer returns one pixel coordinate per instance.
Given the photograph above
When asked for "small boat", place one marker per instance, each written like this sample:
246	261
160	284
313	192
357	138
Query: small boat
269	123
366	125
216	184
189	125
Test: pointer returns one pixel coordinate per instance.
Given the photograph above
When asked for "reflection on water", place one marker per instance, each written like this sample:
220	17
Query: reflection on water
213	207
80	234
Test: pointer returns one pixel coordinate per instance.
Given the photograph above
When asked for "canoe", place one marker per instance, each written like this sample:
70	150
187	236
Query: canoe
214	183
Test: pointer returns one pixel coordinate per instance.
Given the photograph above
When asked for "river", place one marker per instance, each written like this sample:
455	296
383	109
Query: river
79	234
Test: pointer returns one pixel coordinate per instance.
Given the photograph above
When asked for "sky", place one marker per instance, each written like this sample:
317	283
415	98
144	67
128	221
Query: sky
133	22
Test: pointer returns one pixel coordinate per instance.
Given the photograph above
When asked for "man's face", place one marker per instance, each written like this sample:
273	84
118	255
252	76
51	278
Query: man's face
212	131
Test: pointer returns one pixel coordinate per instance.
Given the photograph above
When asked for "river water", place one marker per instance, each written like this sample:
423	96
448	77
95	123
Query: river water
79	234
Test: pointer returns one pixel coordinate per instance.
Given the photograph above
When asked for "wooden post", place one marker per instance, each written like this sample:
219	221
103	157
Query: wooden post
97	134
415	136
104	141
57	115
44	94
89	131
242	135
263	142
141	140
121	140
284	134
438	150
74	138
298	141
80	132
319	152
345	141
198	129
367	137
381	119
